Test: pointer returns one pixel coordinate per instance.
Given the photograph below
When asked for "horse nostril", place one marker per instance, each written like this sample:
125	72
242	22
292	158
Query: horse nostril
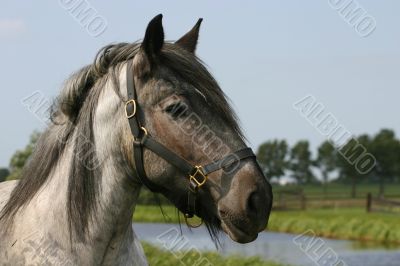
252	203
223	213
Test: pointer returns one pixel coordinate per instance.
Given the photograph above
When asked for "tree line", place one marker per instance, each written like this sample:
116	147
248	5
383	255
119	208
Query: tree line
333	164
278	160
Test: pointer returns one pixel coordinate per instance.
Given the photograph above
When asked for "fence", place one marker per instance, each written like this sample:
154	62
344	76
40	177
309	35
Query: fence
289	200
382	205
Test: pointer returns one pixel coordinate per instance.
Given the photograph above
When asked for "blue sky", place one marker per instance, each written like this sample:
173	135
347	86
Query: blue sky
265	54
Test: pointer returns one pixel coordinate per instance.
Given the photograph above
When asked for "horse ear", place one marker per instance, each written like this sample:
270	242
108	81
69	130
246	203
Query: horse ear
189	40
150	48
154	37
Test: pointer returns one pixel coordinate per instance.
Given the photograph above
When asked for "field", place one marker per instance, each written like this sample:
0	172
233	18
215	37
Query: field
335	190
346	223
336	196
349	223
333	214
160	257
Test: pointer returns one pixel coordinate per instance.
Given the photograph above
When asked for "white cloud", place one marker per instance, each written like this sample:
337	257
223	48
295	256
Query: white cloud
11	27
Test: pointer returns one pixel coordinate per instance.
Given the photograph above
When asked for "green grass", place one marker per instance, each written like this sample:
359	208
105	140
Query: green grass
352	223
162	257
152	214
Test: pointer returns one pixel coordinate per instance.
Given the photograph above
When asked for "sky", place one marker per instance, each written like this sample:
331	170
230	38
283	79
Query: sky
266	55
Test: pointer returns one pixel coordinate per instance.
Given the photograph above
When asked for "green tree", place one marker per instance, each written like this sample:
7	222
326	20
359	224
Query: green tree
4	172
20	157
326	161
350	153
301	162
272	156
386	150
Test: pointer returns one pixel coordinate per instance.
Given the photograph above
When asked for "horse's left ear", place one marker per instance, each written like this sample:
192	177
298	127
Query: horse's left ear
154	37
189	40
151	46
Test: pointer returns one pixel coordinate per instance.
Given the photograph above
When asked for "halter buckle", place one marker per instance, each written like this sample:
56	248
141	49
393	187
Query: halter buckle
198	173
191	225
127	104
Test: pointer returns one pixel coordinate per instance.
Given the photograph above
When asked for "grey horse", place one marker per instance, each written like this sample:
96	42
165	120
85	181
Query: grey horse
74	202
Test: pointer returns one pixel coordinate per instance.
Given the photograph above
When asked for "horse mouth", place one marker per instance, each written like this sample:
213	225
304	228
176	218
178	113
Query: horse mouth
237	234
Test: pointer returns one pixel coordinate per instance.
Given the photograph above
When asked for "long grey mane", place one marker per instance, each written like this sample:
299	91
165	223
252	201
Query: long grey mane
73	112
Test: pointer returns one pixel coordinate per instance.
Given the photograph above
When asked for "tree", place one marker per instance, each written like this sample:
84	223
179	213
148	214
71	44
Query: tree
352	151
301	162
4	172
386	150
20	157
272	156
326	161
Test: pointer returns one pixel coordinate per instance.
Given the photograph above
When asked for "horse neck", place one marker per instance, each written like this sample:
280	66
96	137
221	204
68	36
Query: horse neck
113	222
110	230
111	225
118	194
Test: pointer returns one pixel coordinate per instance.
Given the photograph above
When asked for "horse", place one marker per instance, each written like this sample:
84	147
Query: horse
146	113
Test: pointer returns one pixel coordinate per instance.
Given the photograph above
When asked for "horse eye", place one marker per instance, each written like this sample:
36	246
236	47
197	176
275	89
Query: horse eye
177	110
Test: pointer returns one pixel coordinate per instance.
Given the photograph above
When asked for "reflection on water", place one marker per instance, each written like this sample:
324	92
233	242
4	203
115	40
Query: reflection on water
272	246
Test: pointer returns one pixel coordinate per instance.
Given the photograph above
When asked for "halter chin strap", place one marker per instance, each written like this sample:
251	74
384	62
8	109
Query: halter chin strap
196	174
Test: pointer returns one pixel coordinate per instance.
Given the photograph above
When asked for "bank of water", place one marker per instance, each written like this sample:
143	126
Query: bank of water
280	247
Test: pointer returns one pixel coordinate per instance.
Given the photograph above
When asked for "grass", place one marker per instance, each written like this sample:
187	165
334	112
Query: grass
350	223
160	257
152	214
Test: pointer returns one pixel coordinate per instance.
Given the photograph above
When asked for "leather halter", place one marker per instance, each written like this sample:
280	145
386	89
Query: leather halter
196	174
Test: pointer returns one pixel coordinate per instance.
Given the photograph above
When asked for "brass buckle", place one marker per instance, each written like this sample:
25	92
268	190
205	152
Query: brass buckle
191	225
199	171
144	131
134	108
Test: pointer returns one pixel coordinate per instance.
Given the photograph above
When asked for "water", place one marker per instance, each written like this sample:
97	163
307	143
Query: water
278	247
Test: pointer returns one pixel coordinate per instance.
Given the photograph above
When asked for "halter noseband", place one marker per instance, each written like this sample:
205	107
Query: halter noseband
196	174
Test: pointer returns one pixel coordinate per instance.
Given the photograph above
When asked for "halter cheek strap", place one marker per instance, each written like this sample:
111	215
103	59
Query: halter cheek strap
196	174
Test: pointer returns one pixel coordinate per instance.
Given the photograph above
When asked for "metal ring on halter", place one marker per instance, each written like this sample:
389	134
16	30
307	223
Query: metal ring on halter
192	225
137	140
133	113
198	172
144	130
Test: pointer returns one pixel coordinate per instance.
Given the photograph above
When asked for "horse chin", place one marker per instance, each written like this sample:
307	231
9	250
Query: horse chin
237	234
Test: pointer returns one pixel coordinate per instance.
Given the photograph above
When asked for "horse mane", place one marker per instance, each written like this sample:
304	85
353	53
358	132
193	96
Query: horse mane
72	113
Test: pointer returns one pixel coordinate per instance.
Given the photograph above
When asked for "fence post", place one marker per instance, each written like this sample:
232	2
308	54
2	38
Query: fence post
303	200
369	201
280	200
